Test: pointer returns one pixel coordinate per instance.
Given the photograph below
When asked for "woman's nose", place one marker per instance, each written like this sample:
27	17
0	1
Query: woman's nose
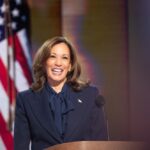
58	62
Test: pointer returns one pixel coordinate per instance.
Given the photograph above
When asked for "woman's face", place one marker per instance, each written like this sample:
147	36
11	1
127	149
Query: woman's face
58	64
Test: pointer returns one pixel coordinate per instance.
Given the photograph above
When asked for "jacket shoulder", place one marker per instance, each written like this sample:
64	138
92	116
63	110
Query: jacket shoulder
91	88
25	92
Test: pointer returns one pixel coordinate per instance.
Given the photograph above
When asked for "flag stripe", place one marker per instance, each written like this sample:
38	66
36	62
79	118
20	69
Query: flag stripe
4	103
4	77
5	134
21	77
25	45
3	51
19	55
2	145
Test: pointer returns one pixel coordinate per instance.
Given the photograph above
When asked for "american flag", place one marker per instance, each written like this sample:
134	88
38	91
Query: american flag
15	62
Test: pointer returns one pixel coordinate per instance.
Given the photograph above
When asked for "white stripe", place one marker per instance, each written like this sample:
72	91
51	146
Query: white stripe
21	81
3	51
2	146
22	36
4	103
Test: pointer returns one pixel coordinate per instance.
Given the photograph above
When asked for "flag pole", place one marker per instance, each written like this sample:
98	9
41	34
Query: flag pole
11	64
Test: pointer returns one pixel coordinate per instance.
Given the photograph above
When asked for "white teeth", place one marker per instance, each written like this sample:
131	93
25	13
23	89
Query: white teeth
57	71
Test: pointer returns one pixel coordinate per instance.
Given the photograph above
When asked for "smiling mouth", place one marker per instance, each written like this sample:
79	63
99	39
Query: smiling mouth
57	71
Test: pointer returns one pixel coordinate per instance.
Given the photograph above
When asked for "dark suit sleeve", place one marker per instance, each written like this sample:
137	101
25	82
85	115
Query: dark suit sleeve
21	127
98	123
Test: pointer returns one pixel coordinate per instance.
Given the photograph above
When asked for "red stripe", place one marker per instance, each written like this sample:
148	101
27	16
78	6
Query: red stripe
5	134
20	57
9	88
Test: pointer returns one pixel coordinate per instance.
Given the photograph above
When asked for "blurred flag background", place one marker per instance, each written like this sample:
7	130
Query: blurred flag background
15	62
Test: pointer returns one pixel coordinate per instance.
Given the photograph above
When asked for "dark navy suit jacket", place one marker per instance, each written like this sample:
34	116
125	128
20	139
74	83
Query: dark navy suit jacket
34	121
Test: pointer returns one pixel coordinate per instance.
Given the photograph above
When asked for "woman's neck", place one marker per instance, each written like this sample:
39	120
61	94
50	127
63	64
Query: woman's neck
57	87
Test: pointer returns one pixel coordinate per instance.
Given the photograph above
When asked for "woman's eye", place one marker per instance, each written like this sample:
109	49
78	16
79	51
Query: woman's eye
65	57
52	56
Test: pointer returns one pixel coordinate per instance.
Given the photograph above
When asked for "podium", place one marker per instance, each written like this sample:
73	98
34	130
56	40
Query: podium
101	145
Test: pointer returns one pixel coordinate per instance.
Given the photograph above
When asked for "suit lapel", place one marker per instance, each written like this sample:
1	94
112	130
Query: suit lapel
41	109
77	115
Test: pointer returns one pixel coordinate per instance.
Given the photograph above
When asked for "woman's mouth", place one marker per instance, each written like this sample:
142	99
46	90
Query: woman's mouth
57	71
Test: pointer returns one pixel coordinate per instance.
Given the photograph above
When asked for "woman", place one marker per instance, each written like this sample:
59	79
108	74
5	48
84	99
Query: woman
58	107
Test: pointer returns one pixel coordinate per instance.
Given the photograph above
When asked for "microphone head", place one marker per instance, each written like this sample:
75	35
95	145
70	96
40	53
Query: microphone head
99	101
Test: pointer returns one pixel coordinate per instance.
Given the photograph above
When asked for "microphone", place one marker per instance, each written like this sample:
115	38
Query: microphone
99	101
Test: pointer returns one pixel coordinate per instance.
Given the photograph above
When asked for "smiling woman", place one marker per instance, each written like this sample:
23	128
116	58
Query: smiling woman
57	56
58	107
57	66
